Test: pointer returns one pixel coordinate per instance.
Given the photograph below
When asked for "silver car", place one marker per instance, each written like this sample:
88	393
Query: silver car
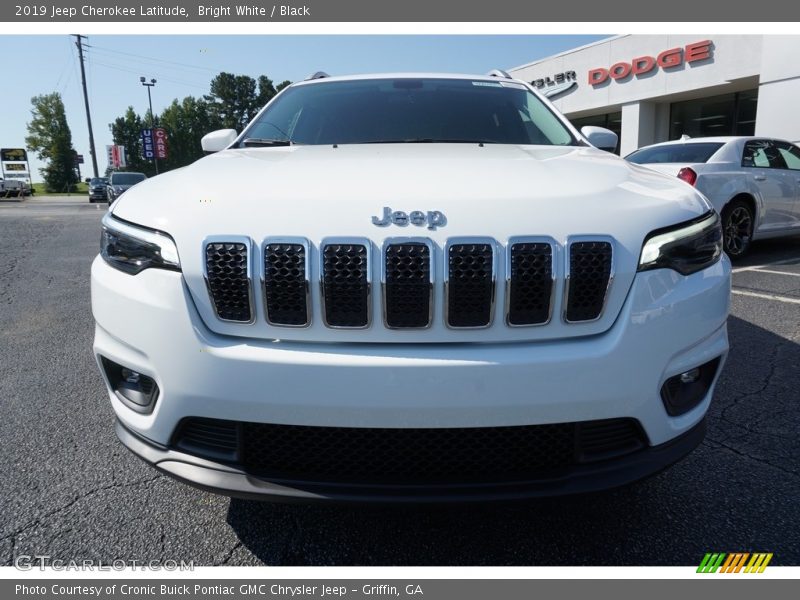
753	182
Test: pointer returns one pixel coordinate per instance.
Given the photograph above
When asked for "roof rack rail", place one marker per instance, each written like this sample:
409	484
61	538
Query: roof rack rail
317	75
499	73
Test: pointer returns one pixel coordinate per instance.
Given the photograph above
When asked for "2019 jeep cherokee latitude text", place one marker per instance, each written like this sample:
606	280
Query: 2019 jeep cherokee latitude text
410	287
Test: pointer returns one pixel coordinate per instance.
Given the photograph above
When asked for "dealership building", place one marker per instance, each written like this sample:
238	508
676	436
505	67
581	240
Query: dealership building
654	88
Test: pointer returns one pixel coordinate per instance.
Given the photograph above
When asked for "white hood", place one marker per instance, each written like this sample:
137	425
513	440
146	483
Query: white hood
498	191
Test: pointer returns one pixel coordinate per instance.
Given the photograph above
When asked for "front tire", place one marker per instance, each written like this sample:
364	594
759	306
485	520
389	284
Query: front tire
737	228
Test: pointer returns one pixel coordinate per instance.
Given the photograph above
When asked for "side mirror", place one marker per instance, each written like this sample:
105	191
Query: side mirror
218	140
600	137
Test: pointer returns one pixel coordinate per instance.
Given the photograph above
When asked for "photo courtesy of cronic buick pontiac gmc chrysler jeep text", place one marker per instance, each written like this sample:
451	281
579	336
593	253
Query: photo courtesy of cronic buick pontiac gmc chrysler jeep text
419	288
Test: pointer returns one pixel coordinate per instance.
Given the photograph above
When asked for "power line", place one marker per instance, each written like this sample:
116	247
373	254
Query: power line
160	75
152	58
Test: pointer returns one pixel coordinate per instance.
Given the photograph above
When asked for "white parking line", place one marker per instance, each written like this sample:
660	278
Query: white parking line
759	267
778	272
766	296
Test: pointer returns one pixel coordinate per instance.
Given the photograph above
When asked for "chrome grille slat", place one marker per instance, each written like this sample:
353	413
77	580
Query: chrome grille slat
226	263
470	275
345	274
530	285
286	282
590	263
407	279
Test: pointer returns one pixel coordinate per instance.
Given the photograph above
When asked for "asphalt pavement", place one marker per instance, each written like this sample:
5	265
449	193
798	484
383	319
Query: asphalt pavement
71	491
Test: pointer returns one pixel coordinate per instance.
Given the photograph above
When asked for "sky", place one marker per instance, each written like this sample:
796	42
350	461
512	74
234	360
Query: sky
183	65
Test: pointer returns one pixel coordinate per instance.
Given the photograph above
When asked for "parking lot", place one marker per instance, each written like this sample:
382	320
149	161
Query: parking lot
71	491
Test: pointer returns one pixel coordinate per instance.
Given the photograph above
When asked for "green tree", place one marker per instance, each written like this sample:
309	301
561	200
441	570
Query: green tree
50	137
233	102
233	99
186	122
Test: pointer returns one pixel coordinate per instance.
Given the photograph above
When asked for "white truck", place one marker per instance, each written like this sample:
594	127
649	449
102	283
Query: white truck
411	287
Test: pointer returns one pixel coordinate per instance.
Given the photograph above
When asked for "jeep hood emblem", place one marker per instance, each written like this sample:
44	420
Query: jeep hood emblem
432	218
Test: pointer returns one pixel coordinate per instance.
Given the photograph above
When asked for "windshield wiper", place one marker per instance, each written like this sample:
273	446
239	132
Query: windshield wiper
253	142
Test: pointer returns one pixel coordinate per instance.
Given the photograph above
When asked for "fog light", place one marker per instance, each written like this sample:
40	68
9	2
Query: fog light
683	392
130	376
135	390
690	376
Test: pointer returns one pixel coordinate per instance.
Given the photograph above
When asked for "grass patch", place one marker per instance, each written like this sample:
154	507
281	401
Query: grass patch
81	189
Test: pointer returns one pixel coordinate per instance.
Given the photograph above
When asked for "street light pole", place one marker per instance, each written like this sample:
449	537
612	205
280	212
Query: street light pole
148	85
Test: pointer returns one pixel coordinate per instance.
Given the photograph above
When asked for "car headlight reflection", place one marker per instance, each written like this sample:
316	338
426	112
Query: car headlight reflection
133	249
685	248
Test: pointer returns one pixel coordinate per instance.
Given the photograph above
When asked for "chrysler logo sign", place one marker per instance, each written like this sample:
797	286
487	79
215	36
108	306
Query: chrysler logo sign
556	85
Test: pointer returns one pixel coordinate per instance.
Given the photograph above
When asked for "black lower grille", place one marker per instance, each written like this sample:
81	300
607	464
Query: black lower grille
228	281
531	283
345	283
470	285
286	284
213	438
589	275
414	456
407	285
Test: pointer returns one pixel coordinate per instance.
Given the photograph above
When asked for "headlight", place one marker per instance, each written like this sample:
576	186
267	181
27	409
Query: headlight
685	248
133	249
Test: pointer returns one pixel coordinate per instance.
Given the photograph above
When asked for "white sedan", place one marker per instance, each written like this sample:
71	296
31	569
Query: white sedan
753	182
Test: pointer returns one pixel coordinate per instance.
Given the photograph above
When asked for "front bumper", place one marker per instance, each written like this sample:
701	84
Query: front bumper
228	480
668	324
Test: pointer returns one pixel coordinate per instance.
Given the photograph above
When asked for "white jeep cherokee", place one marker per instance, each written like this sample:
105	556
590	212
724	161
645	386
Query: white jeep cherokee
410	287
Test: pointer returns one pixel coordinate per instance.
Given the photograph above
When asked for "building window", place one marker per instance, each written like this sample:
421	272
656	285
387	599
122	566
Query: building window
611	121
726	114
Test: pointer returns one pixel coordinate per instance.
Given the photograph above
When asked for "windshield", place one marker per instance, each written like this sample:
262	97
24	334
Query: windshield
408	110
675	153
127	178
98	181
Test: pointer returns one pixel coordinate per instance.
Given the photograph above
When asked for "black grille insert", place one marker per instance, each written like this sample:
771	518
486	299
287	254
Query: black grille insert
410	456
407	287
531	283
589	275
286	284
470	285
212	438
345	284
228	280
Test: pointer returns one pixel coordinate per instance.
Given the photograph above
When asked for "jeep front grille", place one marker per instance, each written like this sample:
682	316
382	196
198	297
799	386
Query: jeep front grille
532	267
469	293
286	283
530	283
346	284
588	280
407	284
228	280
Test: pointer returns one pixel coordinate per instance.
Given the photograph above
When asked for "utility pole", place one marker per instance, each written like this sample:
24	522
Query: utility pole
144	82
79	44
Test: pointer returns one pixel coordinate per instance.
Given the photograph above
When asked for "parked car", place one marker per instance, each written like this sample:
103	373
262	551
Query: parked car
121	181
410	288
753	182
97	189
14	188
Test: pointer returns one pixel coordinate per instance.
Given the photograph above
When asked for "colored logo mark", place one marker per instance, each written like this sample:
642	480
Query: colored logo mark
734	562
